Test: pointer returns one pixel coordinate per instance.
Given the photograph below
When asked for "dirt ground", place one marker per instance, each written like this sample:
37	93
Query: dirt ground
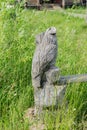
34	121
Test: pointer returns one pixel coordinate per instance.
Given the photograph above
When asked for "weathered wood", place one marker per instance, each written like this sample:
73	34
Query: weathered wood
49	85
33	6
53	92
72	79
44	57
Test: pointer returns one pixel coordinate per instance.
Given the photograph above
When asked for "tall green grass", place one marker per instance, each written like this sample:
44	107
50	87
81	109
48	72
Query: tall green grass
77	9
18	29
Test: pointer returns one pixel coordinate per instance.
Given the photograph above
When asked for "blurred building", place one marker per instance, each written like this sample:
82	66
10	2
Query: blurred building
62	3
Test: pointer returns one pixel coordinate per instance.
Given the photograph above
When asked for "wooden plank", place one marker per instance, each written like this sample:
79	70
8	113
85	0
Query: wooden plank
34	2
72	79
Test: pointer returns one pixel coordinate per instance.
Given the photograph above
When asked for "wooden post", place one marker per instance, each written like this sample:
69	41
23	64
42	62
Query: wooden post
72	79
53	94
63	3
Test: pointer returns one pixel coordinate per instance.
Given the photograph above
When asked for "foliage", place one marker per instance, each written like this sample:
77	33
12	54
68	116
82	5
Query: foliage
17	43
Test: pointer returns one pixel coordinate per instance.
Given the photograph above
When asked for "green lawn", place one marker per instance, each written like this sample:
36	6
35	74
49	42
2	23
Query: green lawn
18	29
78	9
